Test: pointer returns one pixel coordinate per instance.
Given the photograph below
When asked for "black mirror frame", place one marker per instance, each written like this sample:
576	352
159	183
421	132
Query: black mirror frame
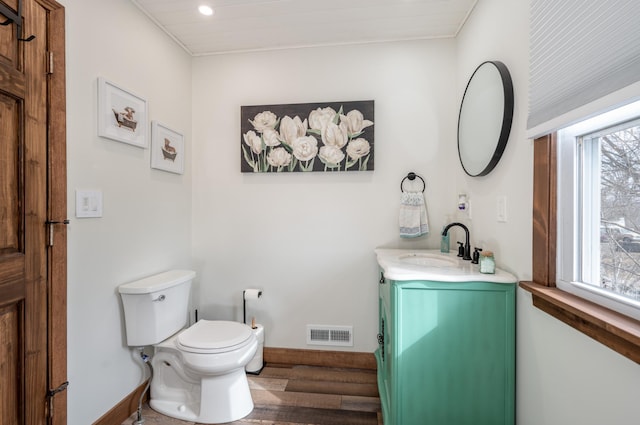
507	117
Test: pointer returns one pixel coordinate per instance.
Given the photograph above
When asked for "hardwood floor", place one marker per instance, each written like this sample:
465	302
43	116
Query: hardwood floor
303	395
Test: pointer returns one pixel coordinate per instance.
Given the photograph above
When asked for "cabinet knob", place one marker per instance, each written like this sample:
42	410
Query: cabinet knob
382	280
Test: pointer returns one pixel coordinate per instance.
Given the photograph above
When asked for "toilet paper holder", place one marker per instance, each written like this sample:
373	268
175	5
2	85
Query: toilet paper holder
251	294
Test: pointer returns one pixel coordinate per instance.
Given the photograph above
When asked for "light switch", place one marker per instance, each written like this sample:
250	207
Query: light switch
88	203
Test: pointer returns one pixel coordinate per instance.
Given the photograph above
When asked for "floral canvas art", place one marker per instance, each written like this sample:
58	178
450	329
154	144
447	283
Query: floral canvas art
330	137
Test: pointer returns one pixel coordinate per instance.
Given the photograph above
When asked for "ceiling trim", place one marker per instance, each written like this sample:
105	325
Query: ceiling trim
466	18
310	46
155	21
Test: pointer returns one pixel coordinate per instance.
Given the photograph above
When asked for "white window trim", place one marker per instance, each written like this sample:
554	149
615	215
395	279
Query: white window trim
569	203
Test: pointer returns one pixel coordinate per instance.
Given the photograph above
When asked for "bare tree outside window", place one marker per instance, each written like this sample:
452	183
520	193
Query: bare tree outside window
620	211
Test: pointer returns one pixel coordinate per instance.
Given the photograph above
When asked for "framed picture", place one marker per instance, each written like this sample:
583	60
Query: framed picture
325	137
122	115
167	149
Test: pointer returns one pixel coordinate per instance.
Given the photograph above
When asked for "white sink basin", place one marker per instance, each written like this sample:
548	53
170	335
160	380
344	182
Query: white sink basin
427	260
432	265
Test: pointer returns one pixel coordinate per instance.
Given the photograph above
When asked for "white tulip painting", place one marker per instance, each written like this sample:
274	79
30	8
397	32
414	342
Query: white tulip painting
329	137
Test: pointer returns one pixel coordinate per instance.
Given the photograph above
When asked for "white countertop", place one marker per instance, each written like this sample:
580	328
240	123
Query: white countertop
397	265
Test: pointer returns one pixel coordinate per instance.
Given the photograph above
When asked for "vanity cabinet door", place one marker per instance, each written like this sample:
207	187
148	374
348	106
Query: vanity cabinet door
451	359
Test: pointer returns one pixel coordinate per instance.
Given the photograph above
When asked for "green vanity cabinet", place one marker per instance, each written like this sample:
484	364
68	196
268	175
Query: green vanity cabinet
447	352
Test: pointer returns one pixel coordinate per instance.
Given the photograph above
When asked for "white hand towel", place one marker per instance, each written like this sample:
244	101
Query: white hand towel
413	215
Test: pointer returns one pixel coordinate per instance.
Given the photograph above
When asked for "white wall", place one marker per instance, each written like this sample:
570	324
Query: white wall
307	239
481	40
563	377
146	225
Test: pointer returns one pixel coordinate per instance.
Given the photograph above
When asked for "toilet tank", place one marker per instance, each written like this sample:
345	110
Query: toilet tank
156	307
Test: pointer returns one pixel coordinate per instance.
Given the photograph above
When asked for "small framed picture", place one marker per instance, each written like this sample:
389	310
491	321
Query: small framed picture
122	115
167	149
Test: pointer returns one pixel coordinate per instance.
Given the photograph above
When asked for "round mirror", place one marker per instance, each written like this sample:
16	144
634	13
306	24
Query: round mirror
485	118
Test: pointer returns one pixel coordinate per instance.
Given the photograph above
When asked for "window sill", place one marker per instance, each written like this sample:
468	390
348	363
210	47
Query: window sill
616	331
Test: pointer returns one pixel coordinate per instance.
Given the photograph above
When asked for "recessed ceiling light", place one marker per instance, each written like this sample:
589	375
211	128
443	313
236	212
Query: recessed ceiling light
205	10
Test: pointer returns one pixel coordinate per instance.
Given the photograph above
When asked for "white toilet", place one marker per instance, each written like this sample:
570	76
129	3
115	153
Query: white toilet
198	372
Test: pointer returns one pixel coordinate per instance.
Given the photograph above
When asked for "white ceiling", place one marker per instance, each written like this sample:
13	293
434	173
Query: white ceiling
250	25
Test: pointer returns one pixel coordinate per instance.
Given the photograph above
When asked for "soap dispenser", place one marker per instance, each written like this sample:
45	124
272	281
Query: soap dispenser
476	255
445	245
444	242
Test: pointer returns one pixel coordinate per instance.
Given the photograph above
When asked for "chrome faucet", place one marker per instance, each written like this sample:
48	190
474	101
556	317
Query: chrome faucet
467	245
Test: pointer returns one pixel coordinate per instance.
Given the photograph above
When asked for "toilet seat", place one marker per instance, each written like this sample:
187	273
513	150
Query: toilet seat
214	336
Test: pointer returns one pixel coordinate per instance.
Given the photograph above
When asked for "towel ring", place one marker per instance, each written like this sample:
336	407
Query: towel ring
412	176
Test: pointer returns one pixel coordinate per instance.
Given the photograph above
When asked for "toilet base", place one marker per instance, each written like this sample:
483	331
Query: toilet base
223	398
206	388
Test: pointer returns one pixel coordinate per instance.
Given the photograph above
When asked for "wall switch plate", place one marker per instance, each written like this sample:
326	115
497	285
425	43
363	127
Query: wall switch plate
88	203
501	209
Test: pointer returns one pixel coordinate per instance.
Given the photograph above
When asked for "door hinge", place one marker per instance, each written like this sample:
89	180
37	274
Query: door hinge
60	388
52	223
49	62
52	392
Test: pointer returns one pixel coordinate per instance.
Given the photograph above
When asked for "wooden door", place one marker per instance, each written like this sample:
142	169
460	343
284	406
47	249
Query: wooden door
30	276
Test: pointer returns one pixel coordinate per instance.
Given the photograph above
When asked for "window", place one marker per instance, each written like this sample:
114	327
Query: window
566	248
598	239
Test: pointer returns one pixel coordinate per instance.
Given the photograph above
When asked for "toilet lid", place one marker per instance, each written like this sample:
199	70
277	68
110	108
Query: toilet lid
214	335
